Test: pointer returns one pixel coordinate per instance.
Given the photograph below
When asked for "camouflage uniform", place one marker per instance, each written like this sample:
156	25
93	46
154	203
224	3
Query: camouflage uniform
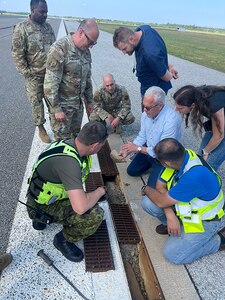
53	169
67	84
30	45
75	227
116	104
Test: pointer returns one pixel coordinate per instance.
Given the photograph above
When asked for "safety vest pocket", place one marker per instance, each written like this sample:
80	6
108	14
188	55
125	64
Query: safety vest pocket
193	224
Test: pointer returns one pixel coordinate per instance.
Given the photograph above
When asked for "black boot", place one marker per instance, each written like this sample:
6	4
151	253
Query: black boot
38	226
69	250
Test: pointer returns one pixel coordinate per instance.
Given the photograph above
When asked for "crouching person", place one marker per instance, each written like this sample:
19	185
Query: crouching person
189	203
56	189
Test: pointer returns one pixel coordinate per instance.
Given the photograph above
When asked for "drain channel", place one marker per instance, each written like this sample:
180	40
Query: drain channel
125	227
97	249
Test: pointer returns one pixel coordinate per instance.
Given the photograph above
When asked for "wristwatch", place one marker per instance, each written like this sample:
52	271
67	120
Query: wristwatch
139	149
143	188
204	152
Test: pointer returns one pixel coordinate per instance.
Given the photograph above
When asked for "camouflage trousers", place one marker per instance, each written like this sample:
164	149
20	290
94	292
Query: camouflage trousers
35	95
94	116
71	126
75	227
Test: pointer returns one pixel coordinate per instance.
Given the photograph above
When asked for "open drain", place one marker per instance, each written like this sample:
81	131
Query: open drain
108	167
97	250
125	227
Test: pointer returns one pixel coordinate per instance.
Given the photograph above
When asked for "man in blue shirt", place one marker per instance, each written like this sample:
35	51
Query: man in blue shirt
158	121
152	68
188	201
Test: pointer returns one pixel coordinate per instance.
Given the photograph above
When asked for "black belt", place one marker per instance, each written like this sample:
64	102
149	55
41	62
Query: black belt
214	219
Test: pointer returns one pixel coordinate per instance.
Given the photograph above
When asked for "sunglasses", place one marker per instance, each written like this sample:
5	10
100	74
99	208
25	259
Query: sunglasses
90	42
148	108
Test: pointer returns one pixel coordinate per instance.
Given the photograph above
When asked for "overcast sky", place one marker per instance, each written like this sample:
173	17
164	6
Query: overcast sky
189	12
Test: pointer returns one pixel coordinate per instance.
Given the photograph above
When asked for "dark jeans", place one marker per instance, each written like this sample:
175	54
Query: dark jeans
142	163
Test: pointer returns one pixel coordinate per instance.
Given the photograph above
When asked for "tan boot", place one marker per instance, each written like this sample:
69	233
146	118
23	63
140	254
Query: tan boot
5	260
43	135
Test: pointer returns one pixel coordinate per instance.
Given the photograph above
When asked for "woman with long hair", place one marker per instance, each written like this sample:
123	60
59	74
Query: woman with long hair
201	103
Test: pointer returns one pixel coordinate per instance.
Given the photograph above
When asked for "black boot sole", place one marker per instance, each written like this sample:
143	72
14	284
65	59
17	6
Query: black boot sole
75	259
38	226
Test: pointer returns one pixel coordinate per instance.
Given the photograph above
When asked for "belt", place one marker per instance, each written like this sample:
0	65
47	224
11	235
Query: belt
214	219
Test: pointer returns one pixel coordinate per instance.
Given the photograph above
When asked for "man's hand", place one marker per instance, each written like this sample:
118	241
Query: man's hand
101	191
89	108
173	225
115	122
60	116
174	72
109	119
123	153
128	148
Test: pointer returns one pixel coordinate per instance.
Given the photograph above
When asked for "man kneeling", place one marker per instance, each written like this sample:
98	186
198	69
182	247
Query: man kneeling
189	203
56	189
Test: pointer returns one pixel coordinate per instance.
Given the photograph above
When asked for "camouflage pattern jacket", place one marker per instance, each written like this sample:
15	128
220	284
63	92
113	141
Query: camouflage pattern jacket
30	45
106	103
68	75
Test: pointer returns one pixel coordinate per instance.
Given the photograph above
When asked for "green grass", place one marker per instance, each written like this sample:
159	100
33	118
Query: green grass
206	49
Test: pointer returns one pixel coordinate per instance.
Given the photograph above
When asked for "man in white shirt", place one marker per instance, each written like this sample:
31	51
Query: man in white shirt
158	121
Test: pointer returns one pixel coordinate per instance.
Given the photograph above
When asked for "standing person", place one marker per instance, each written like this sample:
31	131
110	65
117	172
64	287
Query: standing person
152	68
158	121
5	260
188	201
112	104
68	79
56	188
31	41
205	101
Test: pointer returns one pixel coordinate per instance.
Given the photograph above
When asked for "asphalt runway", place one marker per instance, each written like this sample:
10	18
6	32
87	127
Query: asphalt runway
16	128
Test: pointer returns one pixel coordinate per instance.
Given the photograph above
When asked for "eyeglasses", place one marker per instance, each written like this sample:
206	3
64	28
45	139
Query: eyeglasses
90	42
148	108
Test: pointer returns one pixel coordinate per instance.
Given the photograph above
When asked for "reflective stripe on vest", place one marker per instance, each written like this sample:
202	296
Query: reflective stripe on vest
49	191
207	210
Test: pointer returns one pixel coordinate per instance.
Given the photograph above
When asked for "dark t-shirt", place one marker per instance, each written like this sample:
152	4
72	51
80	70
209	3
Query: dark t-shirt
151	60
62	169
217	101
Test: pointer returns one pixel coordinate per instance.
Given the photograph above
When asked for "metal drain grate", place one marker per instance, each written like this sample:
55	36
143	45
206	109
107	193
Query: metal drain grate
108	166
93	181
125	227
97	249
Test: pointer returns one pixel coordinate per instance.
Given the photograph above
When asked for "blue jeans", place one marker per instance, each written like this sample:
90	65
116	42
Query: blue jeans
217	157
142	163
189	246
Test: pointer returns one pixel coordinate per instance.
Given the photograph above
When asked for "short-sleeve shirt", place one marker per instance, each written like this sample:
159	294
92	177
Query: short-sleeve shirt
198	182
62	169
216	101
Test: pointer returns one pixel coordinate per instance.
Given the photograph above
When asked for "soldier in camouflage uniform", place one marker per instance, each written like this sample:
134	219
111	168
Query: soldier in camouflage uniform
68	79
56	187
112	104
31	41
